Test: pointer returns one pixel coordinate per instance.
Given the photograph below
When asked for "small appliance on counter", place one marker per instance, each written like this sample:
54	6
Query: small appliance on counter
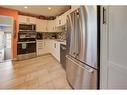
39	36
54	36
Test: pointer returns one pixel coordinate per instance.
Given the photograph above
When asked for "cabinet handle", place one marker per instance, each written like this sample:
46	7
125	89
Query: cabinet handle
44	43
104	15
59	21
54	45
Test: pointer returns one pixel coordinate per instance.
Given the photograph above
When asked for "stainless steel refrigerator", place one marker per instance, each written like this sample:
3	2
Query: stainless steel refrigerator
81	58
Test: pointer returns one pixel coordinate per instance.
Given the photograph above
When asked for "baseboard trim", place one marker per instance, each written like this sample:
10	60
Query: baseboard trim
44	54
14	59
54	58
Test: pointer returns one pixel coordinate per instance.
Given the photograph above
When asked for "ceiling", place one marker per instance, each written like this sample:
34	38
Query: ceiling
41	10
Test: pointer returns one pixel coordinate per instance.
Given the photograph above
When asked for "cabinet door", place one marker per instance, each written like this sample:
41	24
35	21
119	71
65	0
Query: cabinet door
44	25
41	25
52	46
47	46
27	19
6	20
63	19
38	25
50	26
40	47
32	20
22	19
43	47
56	50
58	21
54	25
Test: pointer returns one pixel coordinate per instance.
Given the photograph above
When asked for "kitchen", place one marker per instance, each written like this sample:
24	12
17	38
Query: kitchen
54	47
50	34
38	37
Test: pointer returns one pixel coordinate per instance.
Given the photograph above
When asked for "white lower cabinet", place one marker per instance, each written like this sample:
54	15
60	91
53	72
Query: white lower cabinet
56	50
49	46
40	47
43	47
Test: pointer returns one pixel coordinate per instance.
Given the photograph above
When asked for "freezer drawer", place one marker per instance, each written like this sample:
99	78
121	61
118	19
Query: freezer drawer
79	75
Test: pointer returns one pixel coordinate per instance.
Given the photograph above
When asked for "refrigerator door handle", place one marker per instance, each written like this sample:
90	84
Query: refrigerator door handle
90	70
81	65
82	34
72	39
78	76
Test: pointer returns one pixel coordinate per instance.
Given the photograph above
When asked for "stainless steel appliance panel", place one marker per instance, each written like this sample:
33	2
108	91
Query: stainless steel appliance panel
63	55
77	35
81	56
82	35
80	76
27	27
91	56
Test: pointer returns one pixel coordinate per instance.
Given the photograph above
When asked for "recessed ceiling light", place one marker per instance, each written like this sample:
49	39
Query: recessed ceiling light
49	8
25	7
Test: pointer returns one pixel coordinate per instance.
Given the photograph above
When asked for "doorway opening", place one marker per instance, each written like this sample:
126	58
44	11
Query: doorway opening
5	38
5	46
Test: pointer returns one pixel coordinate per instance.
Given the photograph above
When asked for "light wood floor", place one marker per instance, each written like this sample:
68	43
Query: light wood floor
42	72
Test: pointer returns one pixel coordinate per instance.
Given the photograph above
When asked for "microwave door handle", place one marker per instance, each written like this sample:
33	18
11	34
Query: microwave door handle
32	27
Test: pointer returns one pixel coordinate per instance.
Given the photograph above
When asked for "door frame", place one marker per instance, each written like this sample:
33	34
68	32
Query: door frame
11	31
104	47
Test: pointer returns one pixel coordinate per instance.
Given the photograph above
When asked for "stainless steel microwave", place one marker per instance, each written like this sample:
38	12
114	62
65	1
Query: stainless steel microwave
27	27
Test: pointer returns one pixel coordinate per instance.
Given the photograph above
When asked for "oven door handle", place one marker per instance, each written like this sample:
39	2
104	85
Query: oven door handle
27	42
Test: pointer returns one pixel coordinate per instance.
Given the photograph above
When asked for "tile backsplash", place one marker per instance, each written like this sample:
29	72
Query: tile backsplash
54	35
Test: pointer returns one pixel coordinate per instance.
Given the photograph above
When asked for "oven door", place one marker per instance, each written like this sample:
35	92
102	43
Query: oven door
26	48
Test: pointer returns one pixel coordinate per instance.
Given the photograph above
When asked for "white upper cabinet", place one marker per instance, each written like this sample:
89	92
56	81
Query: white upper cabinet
6	21
45	25
58	21
41	25
50	26
61	20
73	8
27	19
